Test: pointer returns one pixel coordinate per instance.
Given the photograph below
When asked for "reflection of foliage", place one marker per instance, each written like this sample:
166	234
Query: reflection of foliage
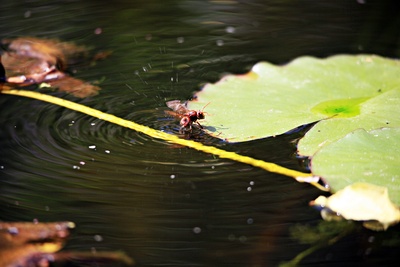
322	235
307	234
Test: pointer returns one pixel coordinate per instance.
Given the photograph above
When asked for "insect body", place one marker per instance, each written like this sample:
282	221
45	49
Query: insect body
188	117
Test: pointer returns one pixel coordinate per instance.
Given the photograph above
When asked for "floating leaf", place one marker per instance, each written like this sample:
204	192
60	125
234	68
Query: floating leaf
24	244
375	113
362	156
31	60
362	202
20	242
271	100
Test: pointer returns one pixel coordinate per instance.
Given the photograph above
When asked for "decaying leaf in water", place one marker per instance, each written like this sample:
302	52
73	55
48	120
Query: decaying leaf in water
36	245
30	60
362	202
20	242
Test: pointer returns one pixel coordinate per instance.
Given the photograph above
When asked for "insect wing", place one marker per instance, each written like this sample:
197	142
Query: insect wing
177	106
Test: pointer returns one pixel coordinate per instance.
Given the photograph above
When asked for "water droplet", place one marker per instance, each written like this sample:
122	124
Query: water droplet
27	14
180	40
231	237
98	238
197	230
98	30
230	29
13	230
76	167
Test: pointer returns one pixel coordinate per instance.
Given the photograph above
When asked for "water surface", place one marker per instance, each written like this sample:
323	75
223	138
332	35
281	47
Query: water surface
162	204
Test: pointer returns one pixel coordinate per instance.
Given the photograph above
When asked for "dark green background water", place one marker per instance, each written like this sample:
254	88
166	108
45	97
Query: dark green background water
161	204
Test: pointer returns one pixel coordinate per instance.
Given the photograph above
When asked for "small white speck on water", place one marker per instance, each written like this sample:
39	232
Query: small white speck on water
230	29
197	230
98	238
220	42
180	40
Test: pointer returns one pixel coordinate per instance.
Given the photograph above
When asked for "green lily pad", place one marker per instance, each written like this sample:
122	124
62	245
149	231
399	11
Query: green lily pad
271	100
371	157
375	113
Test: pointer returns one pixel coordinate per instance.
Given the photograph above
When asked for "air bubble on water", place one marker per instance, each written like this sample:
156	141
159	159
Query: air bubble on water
92	124
82	162
172	176
242	238
220	42
76	167
251	183
250	221
98	238
231	237
230	29
13	230
180	40
47	208
98	30
27	14
197	230
249	188
107	151
92	147
2	167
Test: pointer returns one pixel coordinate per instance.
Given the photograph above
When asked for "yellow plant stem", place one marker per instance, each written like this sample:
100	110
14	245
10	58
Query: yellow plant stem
270	167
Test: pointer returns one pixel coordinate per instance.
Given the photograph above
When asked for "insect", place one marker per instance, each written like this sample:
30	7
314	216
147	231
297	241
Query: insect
188	117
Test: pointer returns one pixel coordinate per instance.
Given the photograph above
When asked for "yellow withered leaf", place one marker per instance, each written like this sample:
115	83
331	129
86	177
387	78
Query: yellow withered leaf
363	202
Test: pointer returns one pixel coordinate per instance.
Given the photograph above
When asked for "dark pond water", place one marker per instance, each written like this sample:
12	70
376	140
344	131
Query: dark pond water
161	204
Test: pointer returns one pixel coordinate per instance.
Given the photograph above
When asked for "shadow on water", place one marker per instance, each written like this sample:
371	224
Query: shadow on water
163	204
